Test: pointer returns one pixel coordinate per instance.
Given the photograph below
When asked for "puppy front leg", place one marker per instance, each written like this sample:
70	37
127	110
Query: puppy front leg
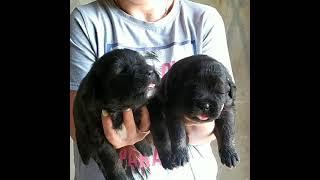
110	163
161	141
178	138
107	157
225	131
159	132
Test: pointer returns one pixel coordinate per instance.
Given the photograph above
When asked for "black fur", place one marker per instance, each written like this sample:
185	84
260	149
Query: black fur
196	87
117	81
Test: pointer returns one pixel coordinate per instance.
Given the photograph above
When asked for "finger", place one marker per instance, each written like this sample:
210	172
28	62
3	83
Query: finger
194	140
128	121
211	137
141	136
207	139
145	120
108	130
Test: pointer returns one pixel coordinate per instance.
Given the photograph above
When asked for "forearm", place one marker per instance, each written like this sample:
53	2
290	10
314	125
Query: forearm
72	126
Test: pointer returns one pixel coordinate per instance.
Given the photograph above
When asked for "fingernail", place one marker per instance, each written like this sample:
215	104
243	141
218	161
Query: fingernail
105	113
145	132
127	109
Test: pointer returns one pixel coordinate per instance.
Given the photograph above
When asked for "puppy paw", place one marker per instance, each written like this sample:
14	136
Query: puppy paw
229	156
180	157
166	162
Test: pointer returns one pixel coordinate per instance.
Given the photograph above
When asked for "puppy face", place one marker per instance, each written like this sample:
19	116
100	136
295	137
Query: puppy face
206	95
124	79
206	102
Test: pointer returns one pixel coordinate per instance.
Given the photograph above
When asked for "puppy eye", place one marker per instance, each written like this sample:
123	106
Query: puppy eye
220	92
124	72
220	87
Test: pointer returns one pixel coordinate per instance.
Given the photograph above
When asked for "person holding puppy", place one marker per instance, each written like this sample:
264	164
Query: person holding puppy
172	29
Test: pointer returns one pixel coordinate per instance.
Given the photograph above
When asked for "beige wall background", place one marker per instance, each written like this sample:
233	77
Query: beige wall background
236	16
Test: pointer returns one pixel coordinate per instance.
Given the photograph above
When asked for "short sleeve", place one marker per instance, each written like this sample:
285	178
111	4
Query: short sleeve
82	54
214	39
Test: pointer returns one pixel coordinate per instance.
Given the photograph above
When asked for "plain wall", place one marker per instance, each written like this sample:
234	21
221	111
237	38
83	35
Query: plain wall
236	16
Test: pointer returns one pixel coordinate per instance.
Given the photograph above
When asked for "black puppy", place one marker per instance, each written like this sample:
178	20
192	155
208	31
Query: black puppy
119	80
200	89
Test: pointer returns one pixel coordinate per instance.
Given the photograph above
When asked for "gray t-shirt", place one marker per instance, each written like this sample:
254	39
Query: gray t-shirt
190	28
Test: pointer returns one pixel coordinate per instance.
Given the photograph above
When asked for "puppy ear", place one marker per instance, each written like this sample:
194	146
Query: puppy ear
108	68
233	88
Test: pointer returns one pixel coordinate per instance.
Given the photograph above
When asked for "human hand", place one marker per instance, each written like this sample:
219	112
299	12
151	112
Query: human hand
199	133
129	134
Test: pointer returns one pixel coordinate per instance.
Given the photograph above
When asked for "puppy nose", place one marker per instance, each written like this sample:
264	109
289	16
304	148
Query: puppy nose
206	106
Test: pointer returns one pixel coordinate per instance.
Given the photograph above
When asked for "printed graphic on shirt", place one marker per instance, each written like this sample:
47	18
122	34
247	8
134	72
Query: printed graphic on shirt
135	163
130	156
